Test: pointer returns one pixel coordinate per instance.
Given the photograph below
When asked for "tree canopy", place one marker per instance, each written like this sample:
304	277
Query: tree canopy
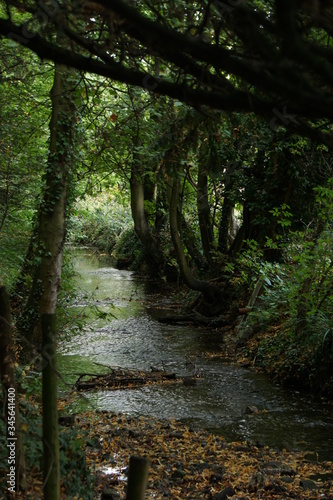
271	58
191	142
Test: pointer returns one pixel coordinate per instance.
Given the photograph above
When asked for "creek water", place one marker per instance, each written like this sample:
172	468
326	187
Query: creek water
131	337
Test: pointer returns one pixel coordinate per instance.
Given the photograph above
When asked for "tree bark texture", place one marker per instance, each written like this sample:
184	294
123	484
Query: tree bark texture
208	290
141	225
139	191
9	391
226	214
137	478
52	214
51	463
190	243
205	222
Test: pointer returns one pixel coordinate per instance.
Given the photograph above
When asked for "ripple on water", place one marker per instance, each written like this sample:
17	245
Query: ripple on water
218	402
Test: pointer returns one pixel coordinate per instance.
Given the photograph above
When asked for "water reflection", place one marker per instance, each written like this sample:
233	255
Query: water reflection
218	402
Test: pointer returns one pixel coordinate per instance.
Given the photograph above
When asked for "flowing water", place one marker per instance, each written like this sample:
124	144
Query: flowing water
131	337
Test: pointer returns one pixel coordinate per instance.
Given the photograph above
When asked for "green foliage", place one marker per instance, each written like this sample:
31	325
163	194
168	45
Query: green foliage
14	239
76	478
99	221
299	294
306	361
311	253
283	215
24	110
129	250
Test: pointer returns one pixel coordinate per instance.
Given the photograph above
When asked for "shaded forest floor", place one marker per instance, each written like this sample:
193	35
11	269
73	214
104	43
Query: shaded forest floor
185	463
194	464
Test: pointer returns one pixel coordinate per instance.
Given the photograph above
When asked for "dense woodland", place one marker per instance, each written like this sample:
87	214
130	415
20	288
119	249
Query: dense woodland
190	140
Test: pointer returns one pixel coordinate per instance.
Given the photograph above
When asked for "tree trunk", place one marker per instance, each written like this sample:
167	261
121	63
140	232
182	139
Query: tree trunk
16	460
190	243
140	219
141	225
234	227
137	478
205	222
51	463
227	230
52	213
209	291
225	224
243	233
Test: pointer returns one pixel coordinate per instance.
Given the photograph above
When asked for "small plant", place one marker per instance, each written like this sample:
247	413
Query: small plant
14	239
76	478
299	296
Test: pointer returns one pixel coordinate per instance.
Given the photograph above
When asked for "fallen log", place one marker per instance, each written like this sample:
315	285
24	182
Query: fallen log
122	378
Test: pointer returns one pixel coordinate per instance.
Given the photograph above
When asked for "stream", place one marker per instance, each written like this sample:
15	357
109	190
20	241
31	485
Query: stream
131	337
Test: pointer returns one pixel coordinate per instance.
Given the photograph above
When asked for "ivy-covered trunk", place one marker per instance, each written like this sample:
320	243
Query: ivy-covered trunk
52	213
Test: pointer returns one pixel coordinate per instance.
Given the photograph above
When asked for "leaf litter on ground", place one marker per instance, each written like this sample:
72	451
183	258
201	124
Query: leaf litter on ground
195	464
187	463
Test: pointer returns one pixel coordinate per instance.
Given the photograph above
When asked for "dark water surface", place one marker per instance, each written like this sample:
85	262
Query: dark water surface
135	339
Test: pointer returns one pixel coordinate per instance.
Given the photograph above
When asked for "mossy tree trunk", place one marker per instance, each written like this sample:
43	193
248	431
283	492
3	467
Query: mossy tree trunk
139	191
140	220
52	213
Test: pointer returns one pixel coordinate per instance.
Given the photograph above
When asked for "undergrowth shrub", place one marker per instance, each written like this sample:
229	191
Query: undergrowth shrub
296	304
128	250
76	478
98	221
14	240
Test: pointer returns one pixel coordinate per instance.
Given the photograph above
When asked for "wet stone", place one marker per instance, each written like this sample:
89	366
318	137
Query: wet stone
110	494
242	448
287	479
66	420
278	468
307	484
223	495
215	478
322	477
178	474
201	466
176	435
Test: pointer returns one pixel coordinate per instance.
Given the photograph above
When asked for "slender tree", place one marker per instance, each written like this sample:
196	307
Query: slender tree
52	212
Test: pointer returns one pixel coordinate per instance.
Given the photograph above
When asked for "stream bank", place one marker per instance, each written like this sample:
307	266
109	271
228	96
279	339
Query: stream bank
195	464
232	435
132	338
